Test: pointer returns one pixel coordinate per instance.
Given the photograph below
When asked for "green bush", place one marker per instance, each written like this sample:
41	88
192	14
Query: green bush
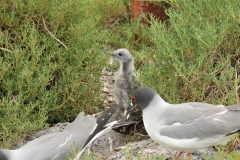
195	55
42	81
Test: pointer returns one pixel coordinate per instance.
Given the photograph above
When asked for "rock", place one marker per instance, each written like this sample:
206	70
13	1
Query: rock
144	149
105	144
147	149
107	90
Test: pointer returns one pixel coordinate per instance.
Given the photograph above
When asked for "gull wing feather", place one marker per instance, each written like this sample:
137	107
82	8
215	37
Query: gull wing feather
200	120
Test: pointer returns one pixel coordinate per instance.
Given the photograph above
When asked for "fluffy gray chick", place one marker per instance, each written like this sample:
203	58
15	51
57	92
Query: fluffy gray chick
124	79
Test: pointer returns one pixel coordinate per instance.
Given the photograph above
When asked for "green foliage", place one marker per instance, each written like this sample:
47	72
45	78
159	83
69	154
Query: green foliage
131	35
196	52
222	154
40	80
233	156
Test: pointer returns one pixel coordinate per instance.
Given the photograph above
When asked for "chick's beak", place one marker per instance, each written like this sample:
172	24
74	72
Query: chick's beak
129	110
113	54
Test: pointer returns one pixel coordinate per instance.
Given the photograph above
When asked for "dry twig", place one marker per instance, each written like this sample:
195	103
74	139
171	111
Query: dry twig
53	35
4	49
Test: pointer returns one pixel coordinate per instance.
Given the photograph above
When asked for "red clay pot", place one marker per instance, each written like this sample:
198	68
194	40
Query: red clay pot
138	7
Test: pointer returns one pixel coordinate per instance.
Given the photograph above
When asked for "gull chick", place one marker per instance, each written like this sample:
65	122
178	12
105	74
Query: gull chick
185	127
124	79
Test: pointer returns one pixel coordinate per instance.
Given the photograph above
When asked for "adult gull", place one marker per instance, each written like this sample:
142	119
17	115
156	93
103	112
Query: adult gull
185	127
57	146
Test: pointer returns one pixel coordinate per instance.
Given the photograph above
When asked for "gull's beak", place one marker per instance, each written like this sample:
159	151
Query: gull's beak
128	110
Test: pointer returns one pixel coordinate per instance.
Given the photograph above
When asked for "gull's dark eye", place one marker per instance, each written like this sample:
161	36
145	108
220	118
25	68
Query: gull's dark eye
120	54
134	99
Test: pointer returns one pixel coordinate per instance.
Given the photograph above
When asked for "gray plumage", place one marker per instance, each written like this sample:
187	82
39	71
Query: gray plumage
186	126
124	80
56	146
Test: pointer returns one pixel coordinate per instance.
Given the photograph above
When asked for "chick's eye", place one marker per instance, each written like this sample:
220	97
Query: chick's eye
134	99
120	54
